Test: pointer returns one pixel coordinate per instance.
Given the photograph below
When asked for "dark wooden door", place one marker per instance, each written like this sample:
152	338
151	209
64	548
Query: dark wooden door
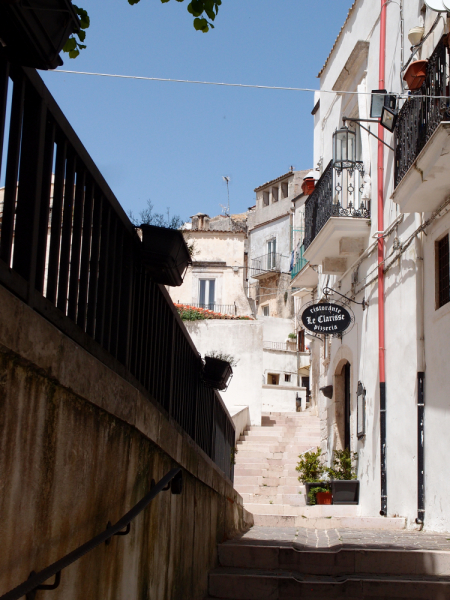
347	405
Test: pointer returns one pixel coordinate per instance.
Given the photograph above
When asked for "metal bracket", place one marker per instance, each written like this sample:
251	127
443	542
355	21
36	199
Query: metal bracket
126	531
327	290
52	586
176	484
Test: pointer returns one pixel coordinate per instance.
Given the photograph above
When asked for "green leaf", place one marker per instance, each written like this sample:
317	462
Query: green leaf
81	35
164	1
210	14
74	53
133	1
70	45
201	24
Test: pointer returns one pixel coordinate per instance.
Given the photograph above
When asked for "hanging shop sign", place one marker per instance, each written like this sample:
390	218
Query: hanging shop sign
327	318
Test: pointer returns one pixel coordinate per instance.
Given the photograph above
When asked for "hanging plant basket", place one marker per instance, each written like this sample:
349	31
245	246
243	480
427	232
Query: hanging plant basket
165	254
34	32
217	373
415	74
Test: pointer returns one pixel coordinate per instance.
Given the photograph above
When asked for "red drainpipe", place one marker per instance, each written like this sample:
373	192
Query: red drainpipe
381	339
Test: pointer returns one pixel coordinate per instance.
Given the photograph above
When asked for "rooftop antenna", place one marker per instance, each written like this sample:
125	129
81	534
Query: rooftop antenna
226	209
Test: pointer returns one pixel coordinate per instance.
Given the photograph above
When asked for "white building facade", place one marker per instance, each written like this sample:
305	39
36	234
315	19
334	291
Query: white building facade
382	388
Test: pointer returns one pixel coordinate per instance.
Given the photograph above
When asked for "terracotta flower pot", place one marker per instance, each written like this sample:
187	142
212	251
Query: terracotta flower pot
308	186
324	497
415	74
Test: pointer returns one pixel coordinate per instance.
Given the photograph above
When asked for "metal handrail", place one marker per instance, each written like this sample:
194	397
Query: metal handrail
35	581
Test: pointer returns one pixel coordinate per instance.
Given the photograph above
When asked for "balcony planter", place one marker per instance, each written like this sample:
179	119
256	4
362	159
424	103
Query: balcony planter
345	492
34	32
309	184
165	254
415	74
217	373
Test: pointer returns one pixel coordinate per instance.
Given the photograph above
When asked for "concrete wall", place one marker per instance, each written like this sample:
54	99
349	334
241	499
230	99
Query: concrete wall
241	419
277	398
243	340
79	448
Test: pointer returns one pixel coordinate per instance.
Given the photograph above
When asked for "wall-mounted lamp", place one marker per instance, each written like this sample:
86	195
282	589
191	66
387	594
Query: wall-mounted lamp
388	118
344	149
380	99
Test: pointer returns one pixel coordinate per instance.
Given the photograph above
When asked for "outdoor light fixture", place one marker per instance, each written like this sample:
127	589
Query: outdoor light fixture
380	99
388	118
344	149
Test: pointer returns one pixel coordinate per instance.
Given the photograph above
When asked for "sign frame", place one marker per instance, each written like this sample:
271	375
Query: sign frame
336	303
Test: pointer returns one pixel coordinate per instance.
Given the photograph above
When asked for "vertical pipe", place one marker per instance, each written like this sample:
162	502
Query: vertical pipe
420	448
381	312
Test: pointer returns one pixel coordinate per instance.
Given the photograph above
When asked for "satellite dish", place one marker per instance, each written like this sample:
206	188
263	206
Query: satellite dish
437	5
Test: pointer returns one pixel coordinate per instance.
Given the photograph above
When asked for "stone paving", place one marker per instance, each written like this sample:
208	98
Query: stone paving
303	538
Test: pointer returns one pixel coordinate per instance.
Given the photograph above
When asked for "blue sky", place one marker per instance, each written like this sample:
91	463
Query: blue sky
171	143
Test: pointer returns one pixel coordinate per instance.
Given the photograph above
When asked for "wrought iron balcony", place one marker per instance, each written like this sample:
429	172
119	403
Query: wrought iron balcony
270	262
421	114
337	194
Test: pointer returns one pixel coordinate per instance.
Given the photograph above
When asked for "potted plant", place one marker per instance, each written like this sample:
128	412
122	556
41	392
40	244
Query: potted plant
415	74
217	371
291	341
320	495
165	254
311	469
33	34
344	485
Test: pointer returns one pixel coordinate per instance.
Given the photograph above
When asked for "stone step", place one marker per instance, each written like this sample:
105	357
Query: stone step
274	446
343	561
240	471
274	499
268	520
259	480
256	584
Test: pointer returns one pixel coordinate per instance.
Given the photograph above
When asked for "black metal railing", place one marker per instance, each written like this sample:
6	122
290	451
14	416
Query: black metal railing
420	117
267	262
69	251
172	480
337	194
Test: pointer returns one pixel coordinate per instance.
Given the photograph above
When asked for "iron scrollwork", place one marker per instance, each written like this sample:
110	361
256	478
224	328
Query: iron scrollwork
421	114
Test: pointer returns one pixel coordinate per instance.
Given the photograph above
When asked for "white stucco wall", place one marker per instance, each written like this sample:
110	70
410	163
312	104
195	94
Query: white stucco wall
226	248
243	340
403	345
277	398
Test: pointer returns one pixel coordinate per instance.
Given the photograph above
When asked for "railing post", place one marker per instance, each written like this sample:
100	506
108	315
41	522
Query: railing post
30	185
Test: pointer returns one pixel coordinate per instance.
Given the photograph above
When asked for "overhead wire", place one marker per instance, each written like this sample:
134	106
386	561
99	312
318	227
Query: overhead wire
238	85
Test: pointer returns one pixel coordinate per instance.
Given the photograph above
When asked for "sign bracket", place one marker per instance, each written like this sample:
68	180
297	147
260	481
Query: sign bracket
327	290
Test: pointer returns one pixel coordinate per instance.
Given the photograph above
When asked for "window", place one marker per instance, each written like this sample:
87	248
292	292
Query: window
266	312
274	194
287	377
207	293
266	196
273	379
284	190
361	408
271	254
442	272
301	341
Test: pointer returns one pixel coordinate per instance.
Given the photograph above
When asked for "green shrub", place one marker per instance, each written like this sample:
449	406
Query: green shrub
344	465
190	314
310	466
315	490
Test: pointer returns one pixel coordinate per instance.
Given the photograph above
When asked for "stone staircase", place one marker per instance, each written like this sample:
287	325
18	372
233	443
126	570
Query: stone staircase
266	478
265	474
283	572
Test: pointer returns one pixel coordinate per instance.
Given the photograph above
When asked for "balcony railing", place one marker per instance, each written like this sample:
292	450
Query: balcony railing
337	194
264	264
299	264
283	346
420	117
224	309
79	265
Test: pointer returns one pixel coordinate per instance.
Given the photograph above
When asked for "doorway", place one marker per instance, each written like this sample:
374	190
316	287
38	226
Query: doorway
342	405
347	406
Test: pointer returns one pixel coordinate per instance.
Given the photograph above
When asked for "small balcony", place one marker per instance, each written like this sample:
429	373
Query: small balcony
337	219
299	263
422	140
269	264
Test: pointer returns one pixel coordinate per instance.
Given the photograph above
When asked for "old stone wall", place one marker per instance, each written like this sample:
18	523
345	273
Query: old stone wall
79	448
